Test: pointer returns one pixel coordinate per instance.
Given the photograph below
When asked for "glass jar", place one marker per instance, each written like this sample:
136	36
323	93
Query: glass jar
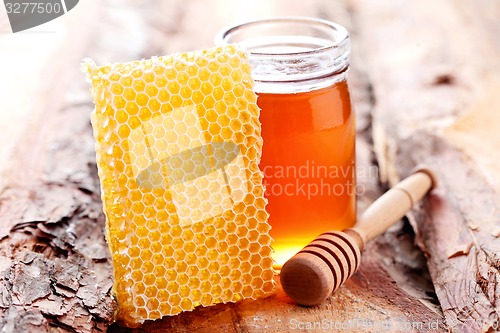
308	160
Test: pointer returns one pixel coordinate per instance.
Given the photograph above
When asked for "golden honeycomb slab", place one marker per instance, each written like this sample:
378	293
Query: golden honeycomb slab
178	146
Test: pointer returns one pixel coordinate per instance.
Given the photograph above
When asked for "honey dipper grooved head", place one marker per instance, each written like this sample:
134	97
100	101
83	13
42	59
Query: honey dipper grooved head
320	268
305	280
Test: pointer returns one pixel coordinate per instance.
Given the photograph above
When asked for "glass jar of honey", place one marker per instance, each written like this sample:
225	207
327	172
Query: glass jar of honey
308	160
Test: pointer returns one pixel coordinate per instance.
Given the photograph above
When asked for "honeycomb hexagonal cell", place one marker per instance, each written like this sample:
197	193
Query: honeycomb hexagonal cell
178	145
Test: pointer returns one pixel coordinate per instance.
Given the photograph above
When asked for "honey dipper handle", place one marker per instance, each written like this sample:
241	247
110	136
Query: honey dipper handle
395	203
326	263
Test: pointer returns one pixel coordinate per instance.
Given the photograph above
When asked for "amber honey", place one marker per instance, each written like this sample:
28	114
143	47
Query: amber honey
308	159
308	164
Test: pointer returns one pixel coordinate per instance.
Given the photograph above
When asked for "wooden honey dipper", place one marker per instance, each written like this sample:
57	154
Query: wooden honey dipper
321	267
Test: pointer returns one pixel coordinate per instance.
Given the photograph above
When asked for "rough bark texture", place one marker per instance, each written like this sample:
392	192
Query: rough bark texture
425	74
435	67
55	272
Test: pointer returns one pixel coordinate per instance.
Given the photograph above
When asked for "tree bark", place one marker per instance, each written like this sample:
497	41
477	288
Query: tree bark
435	69
55	270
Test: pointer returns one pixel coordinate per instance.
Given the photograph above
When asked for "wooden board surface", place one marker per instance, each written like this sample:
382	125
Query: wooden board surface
50	213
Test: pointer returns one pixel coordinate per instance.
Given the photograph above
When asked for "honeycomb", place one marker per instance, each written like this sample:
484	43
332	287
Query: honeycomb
178	146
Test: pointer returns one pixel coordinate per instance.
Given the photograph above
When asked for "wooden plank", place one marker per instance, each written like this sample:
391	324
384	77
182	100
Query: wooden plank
435	67
50	213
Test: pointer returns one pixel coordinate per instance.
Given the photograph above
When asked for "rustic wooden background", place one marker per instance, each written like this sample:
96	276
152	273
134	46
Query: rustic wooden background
425	82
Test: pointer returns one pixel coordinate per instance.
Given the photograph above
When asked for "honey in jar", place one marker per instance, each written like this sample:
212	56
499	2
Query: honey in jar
308	158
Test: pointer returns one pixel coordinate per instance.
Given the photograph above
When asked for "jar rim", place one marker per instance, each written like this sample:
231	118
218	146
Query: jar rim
291	54
222	36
